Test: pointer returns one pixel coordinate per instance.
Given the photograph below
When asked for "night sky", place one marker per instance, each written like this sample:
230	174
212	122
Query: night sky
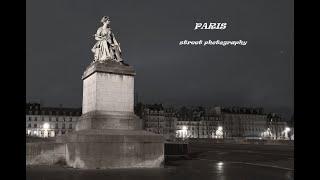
59	39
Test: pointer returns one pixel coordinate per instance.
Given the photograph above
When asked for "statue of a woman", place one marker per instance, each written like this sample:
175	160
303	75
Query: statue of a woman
106	47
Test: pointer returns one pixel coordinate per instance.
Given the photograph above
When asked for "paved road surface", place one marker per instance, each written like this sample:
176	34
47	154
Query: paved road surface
220	162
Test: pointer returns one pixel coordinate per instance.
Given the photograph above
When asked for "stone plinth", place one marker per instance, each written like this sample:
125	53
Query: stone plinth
108	134
45	153
109	120
108	87
108	97
102	149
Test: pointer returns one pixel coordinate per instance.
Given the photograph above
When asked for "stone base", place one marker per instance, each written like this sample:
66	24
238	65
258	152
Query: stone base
109	120
45	153
102	149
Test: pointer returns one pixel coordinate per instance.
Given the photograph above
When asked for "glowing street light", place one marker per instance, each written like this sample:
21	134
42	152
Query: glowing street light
287	129
219	132
266	134
184	128
46	126
286	132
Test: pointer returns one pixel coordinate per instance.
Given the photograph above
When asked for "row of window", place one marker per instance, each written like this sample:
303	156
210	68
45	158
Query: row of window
198	122
54	113
255	117
50	118
56	126
210	118
47	133
243	129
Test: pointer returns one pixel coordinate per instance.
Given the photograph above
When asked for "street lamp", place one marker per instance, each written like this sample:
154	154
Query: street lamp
46	127
286	131
184	128
219	132
183	132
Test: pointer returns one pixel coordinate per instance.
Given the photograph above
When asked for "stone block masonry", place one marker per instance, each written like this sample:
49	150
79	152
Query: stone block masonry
108	92
108	134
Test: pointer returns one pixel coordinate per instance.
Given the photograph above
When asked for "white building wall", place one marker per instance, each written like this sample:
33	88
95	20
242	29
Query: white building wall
53	130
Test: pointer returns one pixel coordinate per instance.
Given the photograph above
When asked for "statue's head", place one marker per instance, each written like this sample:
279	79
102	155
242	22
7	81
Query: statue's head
105	19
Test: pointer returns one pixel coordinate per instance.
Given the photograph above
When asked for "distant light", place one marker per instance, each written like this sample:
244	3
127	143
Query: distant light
287	129
220	163
220	128
219	166
184	128
46	126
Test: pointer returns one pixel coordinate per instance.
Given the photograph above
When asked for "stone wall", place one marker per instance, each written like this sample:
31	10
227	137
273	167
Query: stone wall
98	148
45	153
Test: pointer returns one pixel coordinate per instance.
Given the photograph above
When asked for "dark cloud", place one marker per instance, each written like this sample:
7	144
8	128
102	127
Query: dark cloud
59	39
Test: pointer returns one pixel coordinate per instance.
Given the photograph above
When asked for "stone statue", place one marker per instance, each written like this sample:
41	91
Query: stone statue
106	48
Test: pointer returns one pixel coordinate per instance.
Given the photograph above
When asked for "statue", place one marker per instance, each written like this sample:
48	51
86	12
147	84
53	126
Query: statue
106	48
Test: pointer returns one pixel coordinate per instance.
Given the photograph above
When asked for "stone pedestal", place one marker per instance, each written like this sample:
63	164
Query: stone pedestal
102	149
108	87
108	97
109	134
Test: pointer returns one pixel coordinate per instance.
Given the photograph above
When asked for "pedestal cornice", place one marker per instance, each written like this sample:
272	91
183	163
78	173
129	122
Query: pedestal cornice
109	67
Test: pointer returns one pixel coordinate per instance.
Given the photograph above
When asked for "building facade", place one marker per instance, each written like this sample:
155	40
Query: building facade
159	120
215	122
50	121
278	128
199	123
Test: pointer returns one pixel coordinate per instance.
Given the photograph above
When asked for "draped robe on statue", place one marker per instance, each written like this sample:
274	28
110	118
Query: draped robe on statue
107	47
